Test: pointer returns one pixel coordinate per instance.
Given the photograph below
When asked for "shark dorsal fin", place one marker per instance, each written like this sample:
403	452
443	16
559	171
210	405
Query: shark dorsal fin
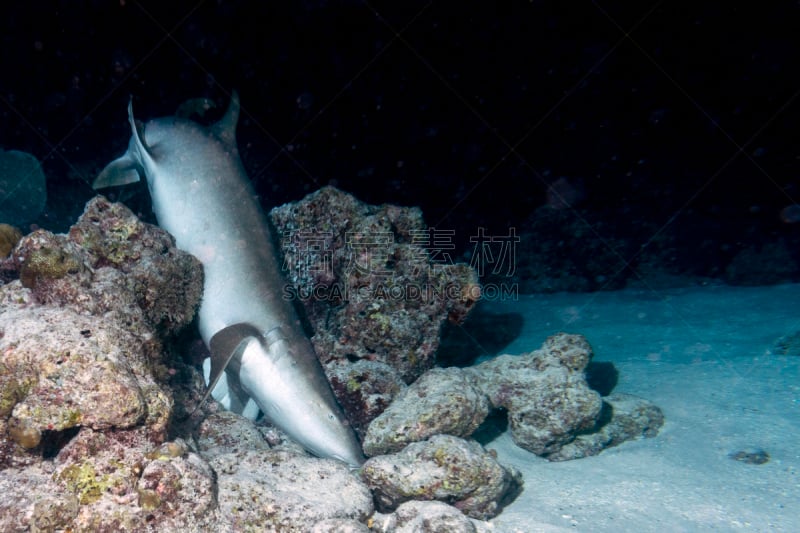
225	128
226	348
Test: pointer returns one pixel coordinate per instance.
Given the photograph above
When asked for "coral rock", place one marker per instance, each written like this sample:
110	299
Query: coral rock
545	392
44	257
84	389
282	491
166	283
370	290
364	389
442	401
443	468
226	432
9	237
121	483
624	417
415	516
33	502
63	369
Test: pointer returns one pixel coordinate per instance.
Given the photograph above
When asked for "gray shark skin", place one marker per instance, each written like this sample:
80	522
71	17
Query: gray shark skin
259	352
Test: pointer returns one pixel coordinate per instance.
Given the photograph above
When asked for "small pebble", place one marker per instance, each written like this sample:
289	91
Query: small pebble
751	457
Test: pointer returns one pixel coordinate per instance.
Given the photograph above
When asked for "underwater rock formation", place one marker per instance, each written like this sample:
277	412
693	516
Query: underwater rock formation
364	389
285	491
551	410
624	417
9	237
441	401
375	299
111	261
545	392
79	341
416	516
443	468
88	395
93	379
369	288
91	396
32	501
215	434
166	283
84	387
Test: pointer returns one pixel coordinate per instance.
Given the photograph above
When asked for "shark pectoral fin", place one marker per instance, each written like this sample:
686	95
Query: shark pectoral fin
126	169
226	348
121	171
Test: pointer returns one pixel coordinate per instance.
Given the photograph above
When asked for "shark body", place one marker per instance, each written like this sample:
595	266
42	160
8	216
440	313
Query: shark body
261	358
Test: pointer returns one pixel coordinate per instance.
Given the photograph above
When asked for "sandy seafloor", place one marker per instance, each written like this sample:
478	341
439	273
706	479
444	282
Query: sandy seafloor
704	356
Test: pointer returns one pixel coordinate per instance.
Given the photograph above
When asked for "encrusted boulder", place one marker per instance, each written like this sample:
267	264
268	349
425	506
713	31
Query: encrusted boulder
177	491
284	488
624	417
444	468
441	401
225	432
79	333
34	502
369	286
434	516
277	490
110	261
545	392
340	525
121	482
9	237
166	283
364	389
62	369
85	382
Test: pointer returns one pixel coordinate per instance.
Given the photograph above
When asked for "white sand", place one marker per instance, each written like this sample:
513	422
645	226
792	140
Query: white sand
703	356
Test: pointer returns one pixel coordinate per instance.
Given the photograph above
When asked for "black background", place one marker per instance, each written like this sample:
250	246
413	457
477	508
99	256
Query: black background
675	119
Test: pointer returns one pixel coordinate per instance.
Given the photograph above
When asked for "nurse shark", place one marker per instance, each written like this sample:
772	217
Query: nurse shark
261	358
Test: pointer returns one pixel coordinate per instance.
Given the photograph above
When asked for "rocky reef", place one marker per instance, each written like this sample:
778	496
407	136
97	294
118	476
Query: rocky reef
446	469
97	424
549	407
9	237
442	401
93	398
371	293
